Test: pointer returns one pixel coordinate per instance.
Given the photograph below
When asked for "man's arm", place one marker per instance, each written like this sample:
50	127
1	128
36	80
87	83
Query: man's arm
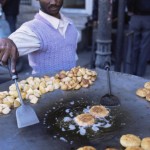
8	50
25	40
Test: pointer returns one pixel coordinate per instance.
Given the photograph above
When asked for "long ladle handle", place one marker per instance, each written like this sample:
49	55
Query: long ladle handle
107	67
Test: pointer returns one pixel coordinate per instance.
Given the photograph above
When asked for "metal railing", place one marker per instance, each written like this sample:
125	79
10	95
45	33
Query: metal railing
25	2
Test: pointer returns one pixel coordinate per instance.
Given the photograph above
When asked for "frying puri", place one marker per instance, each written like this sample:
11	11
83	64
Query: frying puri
84	120
99	111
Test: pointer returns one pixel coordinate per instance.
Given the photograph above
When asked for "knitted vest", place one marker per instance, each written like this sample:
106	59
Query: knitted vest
56	53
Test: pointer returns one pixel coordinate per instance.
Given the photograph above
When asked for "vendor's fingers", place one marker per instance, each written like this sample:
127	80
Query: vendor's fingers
5	58
5	55
14	56
13	65
8	50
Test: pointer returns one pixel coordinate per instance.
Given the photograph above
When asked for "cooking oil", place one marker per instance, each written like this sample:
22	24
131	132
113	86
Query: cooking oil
59	121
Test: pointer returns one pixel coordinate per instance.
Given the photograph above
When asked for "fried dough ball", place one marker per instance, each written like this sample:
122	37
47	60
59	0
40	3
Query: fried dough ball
99	111
42	89
56	86
26	87
84	120
3	95
37	93
29	79
142	92
134	148
145	144
77	87
47	78
33	99
130	140
86	148
147	85
12	87
8	101
4	109
49	88
37	80
16	103
14	94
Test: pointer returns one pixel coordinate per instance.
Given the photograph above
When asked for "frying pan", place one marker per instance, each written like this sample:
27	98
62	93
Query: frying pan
132	115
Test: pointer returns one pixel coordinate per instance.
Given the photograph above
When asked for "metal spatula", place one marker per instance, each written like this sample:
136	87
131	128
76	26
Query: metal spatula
25	114
109	99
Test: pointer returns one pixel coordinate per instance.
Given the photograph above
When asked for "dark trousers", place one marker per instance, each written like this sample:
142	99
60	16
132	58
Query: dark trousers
141	44
12	22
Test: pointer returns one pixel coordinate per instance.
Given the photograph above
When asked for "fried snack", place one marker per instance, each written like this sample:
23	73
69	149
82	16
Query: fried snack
33	99
3	95
16	103
134	148
147	85
142	92
86	148
145	144
148	97
99	111
84	120
4	109
130	140
33	88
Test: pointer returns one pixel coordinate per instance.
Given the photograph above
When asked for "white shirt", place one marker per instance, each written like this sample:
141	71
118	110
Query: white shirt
27	41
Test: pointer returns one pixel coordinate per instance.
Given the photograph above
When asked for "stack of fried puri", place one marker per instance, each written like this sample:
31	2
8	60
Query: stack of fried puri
144	92
133	142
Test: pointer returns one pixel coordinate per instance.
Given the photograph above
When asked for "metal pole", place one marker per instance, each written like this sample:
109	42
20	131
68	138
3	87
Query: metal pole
120	35
103	52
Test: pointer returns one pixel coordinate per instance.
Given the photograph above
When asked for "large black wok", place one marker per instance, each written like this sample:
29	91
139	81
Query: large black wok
132	115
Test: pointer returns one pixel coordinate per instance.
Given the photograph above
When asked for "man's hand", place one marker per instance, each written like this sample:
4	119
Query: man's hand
8	50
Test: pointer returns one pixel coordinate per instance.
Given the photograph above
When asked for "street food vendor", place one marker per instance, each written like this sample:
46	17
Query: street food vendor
50	40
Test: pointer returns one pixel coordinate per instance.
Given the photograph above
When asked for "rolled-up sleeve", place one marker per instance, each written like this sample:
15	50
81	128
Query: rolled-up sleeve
25	40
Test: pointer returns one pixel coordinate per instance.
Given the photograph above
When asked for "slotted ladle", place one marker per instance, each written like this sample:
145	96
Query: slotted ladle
109	99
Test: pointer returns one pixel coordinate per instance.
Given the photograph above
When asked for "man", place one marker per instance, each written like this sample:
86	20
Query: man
50	40
11	11
139	11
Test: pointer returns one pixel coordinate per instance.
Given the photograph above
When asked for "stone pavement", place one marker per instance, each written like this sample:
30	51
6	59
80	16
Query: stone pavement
26	14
